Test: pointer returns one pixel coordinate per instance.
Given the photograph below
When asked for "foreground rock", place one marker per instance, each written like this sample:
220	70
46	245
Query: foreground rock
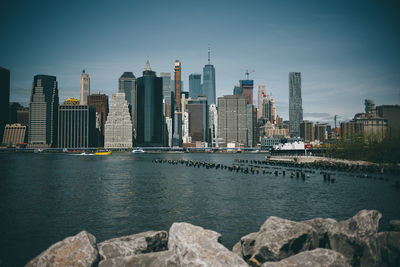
156	259
78	250
150	241
388	249
394	225
316	258
195	246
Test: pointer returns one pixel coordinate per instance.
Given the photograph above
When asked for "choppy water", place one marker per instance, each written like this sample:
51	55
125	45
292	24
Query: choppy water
47	197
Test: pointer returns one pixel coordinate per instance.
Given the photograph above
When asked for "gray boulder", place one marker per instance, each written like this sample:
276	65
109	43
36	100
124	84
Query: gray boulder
388	249
150	241
314	258
280	238
245	247
196	246
394	225
78	250
155	259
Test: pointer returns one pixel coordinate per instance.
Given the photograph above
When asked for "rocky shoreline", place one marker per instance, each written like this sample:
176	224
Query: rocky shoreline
279	242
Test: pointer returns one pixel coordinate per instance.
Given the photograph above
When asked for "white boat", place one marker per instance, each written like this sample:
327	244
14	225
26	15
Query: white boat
138	151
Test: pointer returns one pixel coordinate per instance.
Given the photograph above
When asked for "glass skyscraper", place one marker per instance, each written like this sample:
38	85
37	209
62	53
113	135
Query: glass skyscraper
209	82
295	103
195	85
127	85
4	98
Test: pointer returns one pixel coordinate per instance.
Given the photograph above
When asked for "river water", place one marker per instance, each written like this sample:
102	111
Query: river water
47	197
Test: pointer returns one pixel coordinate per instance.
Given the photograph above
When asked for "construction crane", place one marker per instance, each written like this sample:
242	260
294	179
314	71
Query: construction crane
247	73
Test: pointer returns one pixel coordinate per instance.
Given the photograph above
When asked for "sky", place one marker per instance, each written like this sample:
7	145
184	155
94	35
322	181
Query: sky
346	51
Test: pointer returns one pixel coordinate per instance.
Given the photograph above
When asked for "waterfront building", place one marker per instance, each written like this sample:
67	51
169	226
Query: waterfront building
295	103
195	85
150	119
213	125
232	123
307	131
197	110
76	125
14	134
43	112
18	114
118	127
166	88
209	81
168	122
4	98
100	103
246	88
320	131
391	113
237	90
262	93
85	87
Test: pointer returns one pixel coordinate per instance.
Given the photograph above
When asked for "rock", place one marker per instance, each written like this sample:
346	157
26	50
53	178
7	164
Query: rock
316	258
279	238
364	223
154	259
394	225
78	250
388	245
195	246
150	241
245	247
322	226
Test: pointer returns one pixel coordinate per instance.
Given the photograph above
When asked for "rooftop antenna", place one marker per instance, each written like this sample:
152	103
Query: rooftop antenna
209	52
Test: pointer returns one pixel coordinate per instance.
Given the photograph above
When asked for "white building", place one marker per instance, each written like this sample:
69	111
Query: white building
118	128
213	125
85	87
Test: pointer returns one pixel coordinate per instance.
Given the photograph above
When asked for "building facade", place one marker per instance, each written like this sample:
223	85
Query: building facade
198	119
269	109
320	131
262	93
76	126
100	103
85	87
150	120
232	122
251	119
295	103
246	87
209	82
213	125
14	134
43	112
166	89
195	88
4	98
118	128
307	131
391	113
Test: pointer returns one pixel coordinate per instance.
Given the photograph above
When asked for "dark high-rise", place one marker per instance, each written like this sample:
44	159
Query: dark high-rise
100	103
246	88
4	98
127	85
195	85
209	82
150	122
198	119
295	103
43	112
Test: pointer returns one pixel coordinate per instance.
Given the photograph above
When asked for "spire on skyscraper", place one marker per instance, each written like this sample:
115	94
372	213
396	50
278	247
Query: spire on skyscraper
147	65
209	52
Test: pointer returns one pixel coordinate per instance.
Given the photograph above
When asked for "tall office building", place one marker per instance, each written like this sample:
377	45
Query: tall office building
307	131
118	128
177	123
251	120
150	120
198	119
209	81
246	87
195	85
4	98
262	93
100	103
85	87
166	89
232	121
269	109
43	112
76	125
295	103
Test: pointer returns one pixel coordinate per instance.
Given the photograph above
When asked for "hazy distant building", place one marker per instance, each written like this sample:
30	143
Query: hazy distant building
246	87
166	89
100	103
269	109
295	103
14	134
307	131
85	87
43	112
320	131
391	113
198	119
369	105
209	82
262	93
118	128
195	88
237	90
23	116
150	120
76	125
232	122
4	98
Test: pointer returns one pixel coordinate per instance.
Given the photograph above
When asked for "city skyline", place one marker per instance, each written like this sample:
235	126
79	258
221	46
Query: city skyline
346	52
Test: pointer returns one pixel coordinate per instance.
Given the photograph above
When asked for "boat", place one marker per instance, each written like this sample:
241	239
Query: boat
102	152
138	150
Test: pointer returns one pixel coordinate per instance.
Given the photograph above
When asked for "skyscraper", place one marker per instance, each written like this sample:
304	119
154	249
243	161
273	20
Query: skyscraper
127	85
198	119
246	87
4	98
150	121
195	85
269	109
209	81
118	128
177	123
166	88
85	87
213	125
100	103
262	93
43	112
295	103
307	131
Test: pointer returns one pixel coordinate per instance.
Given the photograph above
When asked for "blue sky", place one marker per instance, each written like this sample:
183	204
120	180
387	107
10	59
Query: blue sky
347	51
